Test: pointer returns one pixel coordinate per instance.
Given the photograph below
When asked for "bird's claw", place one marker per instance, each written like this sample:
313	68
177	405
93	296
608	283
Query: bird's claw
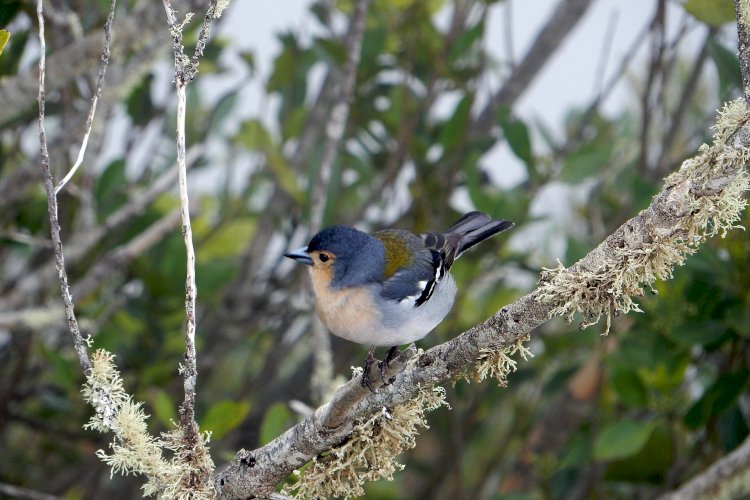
392	354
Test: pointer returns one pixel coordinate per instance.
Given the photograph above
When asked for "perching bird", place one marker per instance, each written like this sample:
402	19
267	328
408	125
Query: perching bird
390	287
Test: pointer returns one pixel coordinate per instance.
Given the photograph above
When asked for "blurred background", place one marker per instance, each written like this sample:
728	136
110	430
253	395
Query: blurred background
561	116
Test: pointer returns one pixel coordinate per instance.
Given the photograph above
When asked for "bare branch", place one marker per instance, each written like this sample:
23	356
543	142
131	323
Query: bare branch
339	113
726	478
18	492
97	95
78	343
560	24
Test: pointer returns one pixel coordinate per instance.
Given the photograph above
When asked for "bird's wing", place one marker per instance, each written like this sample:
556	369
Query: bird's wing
411	269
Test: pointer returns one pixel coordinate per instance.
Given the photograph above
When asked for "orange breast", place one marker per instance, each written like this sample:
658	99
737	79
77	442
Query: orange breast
349	313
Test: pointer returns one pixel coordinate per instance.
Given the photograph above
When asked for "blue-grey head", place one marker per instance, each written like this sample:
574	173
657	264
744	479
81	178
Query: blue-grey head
344	255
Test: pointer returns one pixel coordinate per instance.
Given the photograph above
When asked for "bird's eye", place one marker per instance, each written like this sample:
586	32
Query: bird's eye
323	257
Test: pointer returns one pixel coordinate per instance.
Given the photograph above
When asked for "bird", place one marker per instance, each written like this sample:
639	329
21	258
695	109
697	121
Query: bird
391	287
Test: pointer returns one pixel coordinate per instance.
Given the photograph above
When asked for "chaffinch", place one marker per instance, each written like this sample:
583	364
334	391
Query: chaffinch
390	287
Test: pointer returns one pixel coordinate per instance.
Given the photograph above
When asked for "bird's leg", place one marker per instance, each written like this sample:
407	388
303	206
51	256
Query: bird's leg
392	354
369	361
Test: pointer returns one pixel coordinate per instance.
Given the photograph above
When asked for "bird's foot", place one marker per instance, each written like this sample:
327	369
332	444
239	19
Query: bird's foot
392	354
369	361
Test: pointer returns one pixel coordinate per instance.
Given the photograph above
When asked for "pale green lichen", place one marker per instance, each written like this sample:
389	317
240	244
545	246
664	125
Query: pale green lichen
133	450
369	454
498	363
745	11
708	211
729	488
220	6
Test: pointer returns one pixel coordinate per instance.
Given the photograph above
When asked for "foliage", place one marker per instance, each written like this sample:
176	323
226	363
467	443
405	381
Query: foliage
628	415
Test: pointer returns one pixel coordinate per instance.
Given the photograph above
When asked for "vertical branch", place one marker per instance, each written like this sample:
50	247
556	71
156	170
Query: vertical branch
742	8
190	369
185	71
95	99
78	342
339	113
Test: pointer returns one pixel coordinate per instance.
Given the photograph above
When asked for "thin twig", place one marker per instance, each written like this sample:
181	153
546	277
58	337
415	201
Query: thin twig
744	46
78	342
339	113
688	90
97	94
561	23
508	32
18	492
601	67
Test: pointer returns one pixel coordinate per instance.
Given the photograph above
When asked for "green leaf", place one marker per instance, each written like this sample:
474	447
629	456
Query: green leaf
466	41
224	417
163	406
622	439
8	10
589	160
712	12
110	189
629	387
13	52
738	319
254	136
229	239
692	333
454	129
650	464
727	65
717	398
517	134
275	421
4	37
332	50
139	104
221	111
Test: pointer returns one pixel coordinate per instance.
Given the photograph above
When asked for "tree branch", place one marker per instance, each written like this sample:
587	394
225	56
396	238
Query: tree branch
78	343
95	100
550	38
743	42
726	478
702	199
196	457
339	113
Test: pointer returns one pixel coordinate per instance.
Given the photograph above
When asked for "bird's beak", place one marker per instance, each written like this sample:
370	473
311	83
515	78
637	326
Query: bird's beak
300	255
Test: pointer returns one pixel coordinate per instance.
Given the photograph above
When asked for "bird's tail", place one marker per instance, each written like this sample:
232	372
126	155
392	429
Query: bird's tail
469	230
473	228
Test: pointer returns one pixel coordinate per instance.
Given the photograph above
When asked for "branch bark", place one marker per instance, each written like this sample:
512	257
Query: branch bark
560	24
257	472
726	478
78	342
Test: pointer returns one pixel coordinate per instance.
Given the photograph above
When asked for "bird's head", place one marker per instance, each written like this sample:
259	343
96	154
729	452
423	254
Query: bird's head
342	256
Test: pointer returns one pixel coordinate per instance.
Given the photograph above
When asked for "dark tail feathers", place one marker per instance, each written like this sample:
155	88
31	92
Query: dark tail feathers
474	228
469	230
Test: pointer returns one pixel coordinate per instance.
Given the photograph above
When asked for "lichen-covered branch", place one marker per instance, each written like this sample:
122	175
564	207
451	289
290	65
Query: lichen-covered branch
703	199
194	453
742	9
78	342
728	477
